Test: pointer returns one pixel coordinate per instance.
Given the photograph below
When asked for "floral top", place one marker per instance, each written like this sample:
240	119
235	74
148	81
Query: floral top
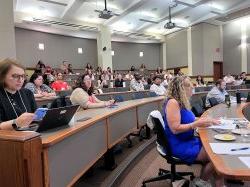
44	88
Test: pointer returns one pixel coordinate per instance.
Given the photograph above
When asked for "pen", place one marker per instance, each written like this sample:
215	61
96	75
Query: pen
240	149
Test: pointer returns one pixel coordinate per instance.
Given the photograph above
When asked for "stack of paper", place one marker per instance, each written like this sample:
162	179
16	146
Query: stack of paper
224	124
230	148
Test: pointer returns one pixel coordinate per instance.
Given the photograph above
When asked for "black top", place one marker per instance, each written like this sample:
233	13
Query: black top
6	110
118	83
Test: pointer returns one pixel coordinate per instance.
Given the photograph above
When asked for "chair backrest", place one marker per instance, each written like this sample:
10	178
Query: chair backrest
152	94
138	95
60	102
146	87
203	98
248	97
197	109
161	137
118	98
213	101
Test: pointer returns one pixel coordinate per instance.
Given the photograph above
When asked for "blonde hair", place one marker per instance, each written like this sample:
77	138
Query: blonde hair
177	91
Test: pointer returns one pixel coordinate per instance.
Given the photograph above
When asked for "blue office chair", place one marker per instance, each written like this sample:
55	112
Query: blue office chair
152	94
138	95
118	98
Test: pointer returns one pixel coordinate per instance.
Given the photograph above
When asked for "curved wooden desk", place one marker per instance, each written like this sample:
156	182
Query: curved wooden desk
67	153
228	165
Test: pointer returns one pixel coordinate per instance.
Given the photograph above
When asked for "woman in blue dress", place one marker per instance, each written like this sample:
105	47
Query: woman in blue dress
180	123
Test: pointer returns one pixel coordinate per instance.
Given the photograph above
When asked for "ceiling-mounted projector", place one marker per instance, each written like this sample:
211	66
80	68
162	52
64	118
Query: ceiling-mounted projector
105	14
169	25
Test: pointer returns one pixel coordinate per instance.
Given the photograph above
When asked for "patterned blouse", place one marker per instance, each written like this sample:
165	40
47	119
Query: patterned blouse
44	88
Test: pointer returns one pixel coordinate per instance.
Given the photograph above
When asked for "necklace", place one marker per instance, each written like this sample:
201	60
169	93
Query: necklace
12	103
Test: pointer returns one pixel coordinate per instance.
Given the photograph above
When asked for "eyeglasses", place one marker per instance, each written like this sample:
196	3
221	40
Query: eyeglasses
18	77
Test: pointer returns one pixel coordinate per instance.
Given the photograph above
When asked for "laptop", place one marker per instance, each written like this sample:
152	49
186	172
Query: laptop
53	118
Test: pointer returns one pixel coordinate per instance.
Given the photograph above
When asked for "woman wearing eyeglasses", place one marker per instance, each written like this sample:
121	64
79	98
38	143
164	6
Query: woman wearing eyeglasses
17	104
84	96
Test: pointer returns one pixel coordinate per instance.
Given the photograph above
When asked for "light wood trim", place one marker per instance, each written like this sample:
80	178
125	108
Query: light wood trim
216	159
51	140
46	178
20	136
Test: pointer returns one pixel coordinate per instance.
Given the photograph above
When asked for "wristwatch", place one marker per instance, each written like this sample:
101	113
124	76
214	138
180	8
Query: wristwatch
14	124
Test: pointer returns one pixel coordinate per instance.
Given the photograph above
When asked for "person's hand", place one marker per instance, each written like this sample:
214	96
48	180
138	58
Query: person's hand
110	102
45	94
205	122
25	119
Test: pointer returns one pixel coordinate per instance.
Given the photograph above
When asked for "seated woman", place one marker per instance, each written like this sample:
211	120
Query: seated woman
119	81
59	84
17	104
180	123
200	81
83	95
37	87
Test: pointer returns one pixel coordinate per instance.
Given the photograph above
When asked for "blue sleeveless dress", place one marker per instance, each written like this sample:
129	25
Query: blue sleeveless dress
185	145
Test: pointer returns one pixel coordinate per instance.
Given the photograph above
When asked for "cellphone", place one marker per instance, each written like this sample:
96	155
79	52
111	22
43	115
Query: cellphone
40	113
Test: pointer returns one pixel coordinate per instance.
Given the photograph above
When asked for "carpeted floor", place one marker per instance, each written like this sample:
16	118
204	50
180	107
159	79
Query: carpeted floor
148	167
145	166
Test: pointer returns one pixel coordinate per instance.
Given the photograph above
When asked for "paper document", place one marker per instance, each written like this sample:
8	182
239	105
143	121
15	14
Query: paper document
245	160
224	124
227	148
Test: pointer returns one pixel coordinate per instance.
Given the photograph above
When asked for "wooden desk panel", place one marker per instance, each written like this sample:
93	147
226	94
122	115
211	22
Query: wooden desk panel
120	125
73	156
228	165
144	110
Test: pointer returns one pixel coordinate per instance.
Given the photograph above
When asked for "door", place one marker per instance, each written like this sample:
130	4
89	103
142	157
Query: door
218	70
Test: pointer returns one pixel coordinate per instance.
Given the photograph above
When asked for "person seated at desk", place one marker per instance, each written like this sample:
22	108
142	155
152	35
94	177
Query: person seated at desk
157	87
84	96
129	76
243	76
200	81
59	84
136	84
17	104
218	92
238	81
179	128
37	87
119	81
229	79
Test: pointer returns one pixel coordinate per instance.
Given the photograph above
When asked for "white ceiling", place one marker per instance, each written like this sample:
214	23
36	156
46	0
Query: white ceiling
128	23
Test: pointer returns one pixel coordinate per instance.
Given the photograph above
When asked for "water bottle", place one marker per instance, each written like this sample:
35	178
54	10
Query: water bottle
238	96
227	100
